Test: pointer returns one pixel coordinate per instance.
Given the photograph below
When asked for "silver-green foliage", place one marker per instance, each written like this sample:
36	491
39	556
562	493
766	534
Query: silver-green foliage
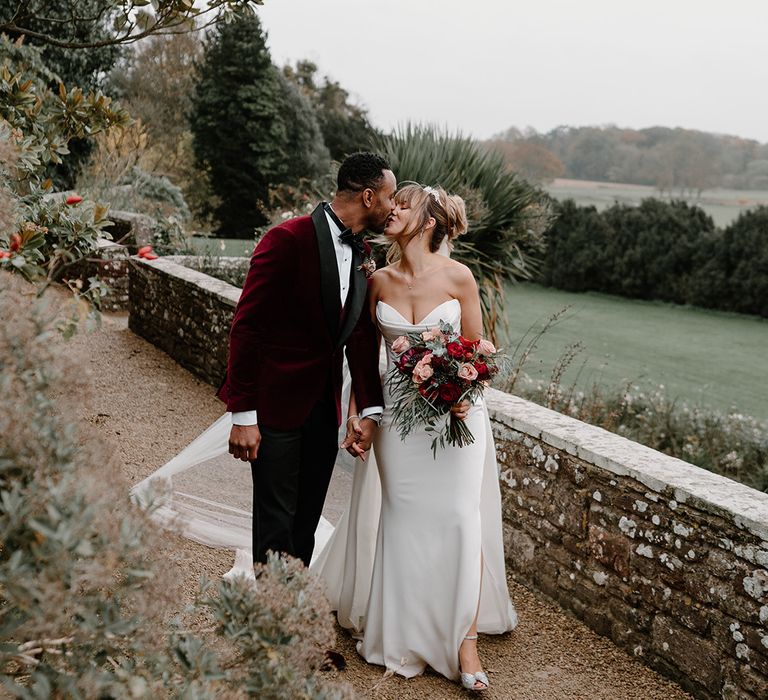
84	594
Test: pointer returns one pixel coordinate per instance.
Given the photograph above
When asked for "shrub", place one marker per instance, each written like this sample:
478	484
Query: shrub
83	586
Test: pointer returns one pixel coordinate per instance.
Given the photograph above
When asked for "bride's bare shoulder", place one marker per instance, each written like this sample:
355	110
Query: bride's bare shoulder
457	271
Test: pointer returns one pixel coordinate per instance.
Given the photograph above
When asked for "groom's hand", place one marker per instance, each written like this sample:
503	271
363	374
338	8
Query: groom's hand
244	441
367	431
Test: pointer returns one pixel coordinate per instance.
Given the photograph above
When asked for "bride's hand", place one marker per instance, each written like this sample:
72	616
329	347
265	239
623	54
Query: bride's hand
461	410
354	433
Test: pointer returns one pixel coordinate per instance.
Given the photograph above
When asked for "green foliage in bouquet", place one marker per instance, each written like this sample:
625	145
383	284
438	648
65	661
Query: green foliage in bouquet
86	582
507	216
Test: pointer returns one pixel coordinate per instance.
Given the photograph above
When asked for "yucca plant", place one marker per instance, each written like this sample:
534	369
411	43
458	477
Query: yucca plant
507	216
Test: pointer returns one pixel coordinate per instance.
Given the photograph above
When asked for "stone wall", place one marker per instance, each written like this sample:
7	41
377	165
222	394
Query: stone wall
668	560
184	312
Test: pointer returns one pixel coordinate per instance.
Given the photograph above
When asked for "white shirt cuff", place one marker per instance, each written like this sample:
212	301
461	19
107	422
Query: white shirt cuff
371	411
244	418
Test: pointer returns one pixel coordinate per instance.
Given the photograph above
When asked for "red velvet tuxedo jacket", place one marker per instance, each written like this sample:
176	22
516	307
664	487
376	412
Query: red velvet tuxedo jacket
288	334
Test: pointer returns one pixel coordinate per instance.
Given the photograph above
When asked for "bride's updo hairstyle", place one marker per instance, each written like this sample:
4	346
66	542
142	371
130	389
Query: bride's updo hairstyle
448	211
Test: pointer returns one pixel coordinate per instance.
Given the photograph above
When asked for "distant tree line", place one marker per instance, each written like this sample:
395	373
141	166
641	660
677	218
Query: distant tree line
669	251
669	159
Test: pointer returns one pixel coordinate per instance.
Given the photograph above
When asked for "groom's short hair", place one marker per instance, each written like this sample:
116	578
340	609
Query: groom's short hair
361	171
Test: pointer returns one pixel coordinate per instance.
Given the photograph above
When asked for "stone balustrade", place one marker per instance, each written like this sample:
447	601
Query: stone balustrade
666	559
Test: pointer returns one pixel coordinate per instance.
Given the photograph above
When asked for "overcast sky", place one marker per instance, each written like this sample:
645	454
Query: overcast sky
485	65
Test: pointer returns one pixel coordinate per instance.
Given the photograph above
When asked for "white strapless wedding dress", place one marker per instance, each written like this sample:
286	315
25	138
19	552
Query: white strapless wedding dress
403	566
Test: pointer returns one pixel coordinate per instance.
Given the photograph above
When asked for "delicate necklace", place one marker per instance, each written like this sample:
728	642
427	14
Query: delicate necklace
415	275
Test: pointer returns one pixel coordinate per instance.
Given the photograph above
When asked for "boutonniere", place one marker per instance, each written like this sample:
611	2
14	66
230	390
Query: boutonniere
368	266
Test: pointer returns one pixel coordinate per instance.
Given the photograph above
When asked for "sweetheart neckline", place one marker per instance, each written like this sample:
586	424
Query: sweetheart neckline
423	319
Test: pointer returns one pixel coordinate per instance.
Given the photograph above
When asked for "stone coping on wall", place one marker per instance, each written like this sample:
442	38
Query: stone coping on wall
172	265
746	507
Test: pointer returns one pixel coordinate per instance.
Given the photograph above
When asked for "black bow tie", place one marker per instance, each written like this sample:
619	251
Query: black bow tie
350	239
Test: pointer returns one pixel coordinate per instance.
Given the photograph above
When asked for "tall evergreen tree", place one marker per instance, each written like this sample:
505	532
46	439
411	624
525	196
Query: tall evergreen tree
251	128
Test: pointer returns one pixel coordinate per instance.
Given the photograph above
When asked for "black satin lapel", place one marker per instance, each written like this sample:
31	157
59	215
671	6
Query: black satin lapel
357	290
329	271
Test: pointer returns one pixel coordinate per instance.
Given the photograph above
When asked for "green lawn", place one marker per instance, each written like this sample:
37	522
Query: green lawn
237	247
722	205
713	358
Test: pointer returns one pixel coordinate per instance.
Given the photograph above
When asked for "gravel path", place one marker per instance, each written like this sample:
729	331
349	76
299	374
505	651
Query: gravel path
150	408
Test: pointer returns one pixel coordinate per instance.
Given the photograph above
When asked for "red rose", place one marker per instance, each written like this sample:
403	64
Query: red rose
4	254
73	199
482	370
15	242
428	391
468	344
450	393
455	350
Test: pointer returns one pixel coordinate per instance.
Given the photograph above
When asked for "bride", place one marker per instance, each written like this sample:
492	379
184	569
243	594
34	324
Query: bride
415	568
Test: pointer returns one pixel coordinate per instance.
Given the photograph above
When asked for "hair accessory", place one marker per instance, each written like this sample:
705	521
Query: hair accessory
434	193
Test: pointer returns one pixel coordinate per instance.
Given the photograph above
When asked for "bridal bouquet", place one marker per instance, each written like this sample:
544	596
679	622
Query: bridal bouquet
434	370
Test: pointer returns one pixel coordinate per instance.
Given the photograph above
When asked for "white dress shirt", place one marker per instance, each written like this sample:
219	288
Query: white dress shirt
344	267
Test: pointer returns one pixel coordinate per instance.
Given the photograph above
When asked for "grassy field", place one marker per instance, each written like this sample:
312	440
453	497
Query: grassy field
237	247
722	205
713	358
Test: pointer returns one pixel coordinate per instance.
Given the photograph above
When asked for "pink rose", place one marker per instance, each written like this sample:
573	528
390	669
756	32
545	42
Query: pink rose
400	344
422	371
486	347
467	371
431	334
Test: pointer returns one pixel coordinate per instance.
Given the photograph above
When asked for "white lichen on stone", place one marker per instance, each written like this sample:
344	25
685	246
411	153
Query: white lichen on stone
572	577
673	504
651	496
526	481
613	482
742	651
528	442
764	614
537	453
665	646
519	501
577	564
680	529
737	636
691	554
678	544
645	550
656	520
561	519
756	585
627	526
638	650
597	496
551	464
640	506
600	578
725	543
507	478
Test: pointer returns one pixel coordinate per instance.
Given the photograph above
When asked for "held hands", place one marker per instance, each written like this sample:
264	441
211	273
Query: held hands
244	441
359	436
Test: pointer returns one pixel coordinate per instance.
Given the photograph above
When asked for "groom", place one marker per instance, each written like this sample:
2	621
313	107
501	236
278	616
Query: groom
304	301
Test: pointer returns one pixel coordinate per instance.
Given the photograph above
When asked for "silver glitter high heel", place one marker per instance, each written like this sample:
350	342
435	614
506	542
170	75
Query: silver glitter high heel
468	680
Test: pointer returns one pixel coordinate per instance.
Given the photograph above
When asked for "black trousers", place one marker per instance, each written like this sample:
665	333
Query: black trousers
290	479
